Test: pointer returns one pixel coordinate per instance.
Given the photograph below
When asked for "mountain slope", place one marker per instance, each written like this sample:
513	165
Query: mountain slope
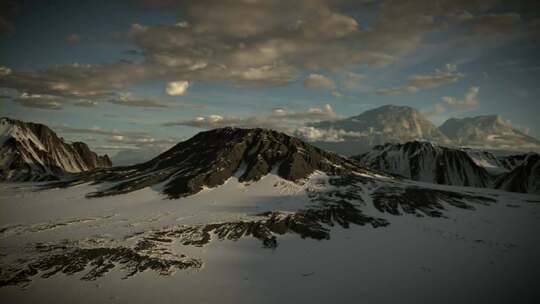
357	134
30	151
426	162
388	123
488	132
523	178
209	158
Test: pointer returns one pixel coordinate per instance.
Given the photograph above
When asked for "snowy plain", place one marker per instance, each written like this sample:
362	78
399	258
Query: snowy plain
487	255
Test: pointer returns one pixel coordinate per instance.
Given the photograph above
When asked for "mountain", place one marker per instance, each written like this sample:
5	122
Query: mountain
31	151
491	132
525	177
209	158
427	162
389	123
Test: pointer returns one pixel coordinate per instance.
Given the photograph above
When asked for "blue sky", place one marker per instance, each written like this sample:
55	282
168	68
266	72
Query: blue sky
249	59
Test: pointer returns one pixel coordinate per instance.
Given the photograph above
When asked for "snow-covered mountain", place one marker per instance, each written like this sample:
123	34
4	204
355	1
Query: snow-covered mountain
389	123
31	151
210	158
257	185
524	177
427	162
491	132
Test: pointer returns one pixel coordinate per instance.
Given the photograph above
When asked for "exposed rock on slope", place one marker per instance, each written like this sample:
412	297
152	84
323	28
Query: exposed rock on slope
488	132
210	158
426	162
357	134
523	178
30	151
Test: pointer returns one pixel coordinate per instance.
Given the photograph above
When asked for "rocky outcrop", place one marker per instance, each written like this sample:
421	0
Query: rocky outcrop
33	152
523	178
490	131
209	158
427	162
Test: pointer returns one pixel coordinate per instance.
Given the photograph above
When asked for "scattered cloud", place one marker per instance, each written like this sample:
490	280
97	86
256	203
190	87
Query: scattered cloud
448	74
352	80
319	82
175	88
4	71
98	131
86	103
468	102
272	44
127	99
38	101
326	135
279	119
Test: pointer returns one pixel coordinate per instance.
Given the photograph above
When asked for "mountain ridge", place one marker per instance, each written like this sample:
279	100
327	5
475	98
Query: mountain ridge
33	152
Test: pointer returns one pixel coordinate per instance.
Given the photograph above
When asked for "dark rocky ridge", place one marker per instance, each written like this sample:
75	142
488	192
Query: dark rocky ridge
523	178
32	151
209	158
424	161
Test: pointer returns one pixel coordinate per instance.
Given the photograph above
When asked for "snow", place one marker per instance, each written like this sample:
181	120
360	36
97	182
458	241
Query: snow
484	256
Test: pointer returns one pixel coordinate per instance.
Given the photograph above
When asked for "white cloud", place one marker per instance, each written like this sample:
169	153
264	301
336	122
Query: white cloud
326	135
4	71
279	119
319	81
470	100
175	88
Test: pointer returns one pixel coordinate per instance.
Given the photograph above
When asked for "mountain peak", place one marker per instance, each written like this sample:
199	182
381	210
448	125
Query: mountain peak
488	131
210	158
32	151
388	123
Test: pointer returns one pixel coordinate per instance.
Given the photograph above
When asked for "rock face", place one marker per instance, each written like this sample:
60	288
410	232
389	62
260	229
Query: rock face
427	162
386	124
210	158
33	152
488	132
523	178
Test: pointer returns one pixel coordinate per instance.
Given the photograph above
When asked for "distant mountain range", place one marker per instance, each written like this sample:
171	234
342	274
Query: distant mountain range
400	124
33	152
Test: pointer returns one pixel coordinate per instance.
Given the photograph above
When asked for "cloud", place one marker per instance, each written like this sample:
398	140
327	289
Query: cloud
273	43
86	103
175	88
4	71
129	101
44	102
279	119
319	82
469	102
98	131
73	38
448	74
78	81
326	135
352	80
